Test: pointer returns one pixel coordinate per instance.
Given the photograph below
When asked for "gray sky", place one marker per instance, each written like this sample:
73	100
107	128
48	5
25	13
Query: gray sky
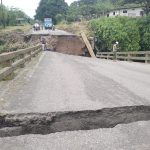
28	6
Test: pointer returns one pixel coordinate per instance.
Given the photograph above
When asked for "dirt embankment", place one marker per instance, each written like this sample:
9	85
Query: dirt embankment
66	44
14	40
75	28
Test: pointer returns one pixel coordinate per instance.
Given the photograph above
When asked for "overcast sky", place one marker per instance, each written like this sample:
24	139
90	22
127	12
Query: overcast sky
28	6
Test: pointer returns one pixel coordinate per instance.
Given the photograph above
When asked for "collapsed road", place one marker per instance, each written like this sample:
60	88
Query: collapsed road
56	87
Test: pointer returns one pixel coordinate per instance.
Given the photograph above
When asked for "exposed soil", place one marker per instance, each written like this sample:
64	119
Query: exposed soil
68	44
65	44
46	123
12	41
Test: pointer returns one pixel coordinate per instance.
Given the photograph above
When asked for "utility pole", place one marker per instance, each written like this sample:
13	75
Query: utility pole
3	19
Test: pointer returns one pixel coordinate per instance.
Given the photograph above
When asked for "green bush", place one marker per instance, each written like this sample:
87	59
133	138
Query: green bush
59	18
2	48
121	29
144	28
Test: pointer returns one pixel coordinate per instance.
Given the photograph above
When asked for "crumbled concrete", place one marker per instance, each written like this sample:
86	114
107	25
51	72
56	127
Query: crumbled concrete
37	123
134	136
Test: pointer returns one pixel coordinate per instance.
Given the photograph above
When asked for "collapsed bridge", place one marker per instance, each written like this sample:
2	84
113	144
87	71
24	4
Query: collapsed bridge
55	93
61	41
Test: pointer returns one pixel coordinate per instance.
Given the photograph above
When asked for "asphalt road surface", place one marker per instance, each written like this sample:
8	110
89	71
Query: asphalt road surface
50	32
58	82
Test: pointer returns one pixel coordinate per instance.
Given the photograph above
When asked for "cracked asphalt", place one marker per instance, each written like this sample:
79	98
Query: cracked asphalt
58	82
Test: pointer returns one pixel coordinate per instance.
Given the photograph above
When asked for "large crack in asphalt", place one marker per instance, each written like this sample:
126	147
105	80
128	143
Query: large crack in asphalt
46	123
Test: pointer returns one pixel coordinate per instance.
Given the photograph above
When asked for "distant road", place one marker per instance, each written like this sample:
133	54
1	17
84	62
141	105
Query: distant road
50	32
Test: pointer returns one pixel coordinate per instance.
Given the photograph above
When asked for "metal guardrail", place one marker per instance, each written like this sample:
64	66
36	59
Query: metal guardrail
128	56
9	62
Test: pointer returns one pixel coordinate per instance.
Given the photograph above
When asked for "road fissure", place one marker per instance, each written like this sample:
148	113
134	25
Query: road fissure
46	123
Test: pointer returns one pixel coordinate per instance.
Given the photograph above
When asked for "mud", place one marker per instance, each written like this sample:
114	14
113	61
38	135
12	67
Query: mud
46	123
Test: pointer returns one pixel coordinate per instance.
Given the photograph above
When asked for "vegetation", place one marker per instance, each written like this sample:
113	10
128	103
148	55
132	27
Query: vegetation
59	11
11	37
8	16
75	27
144	3
132	34
18	28
89	9
144	29
55	9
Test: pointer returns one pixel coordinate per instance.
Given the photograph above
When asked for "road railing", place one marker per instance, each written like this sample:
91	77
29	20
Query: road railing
9	62
142	56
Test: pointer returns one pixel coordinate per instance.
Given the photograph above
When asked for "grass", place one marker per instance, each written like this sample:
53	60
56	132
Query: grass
22	28
76	27
2	47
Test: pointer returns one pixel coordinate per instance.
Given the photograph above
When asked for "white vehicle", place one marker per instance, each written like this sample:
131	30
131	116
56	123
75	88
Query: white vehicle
36	27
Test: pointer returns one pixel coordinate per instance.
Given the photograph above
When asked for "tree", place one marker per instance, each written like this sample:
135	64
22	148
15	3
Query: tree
3	15
122	29
50	9
89	9
88	2
9	16
144	28
13	14
73	12
145	3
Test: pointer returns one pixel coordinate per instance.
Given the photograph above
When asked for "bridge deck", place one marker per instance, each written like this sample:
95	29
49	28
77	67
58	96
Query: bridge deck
58	82
63	83
51	32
